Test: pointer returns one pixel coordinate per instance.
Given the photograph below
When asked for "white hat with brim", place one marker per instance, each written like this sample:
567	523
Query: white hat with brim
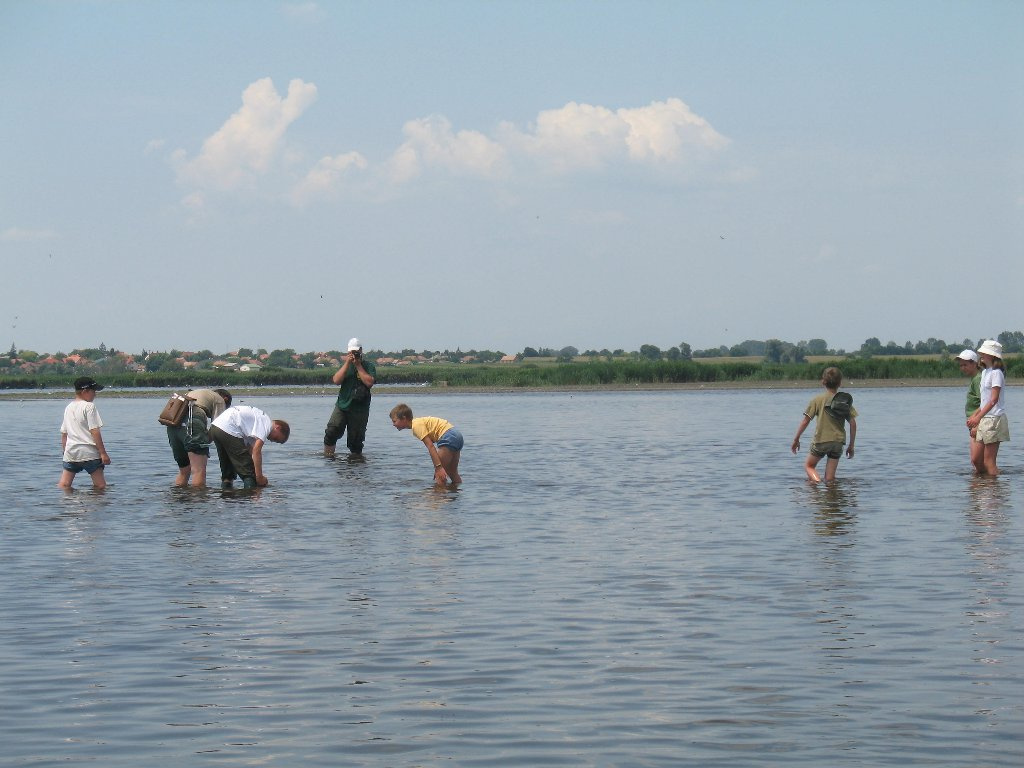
354	344
968	354
993	348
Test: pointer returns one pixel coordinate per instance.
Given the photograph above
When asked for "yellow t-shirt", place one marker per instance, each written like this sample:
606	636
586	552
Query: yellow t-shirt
430	426
829	429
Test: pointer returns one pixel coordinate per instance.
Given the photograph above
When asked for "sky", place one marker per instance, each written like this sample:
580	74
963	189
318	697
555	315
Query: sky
462	174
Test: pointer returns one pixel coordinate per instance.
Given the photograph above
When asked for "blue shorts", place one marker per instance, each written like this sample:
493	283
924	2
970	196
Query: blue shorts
89	466
452	440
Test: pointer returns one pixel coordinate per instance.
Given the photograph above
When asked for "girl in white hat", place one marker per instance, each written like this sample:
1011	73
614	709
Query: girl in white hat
990	419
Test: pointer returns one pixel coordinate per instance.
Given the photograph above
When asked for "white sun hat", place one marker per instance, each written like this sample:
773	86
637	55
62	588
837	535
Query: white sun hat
990	347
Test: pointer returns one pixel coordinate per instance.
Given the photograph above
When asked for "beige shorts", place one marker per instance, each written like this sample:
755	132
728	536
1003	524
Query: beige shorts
993	429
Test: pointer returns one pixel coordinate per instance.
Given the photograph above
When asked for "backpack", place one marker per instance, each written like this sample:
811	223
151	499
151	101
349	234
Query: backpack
174	412
840	406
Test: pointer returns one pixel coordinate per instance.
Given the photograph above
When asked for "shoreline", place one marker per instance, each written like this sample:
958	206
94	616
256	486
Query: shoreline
278	390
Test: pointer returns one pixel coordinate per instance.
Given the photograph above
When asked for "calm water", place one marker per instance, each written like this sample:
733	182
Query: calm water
634	579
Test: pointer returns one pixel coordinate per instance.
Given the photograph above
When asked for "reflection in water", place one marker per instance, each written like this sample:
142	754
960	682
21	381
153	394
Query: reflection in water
836	502
987	528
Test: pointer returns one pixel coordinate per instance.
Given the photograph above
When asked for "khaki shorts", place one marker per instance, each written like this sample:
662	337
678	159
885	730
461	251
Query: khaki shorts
993	429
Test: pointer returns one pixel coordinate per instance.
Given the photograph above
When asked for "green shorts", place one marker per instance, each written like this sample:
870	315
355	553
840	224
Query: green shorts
193	436
832	449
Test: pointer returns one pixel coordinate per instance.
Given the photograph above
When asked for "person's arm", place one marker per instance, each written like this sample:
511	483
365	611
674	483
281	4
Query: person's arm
363	374
440	476
800	431
853	437
99	444
339	375
979	414
257	462
63	441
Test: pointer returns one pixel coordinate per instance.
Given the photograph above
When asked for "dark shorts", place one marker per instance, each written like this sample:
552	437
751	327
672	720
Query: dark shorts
89	466
833	450
193	436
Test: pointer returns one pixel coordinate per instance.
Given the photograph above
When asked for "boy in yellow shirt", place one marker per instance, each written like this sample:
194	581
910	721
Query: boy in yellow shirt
444	442
830	434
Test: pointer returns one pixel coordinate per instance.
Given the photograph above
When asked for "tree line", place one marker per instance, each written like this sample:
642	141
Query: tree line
109	361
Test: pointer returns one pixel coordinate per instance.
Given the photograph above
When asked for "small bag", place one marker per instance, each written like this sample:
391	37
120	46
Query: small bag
840	406
175	411
360	392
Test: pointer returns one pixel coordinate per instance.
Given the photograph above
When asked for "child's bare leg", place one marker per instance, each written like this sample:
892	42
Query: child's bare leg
810	467
978	458
977	452
66	479
181	479
197	466
830	470
991	450
450	463
99	482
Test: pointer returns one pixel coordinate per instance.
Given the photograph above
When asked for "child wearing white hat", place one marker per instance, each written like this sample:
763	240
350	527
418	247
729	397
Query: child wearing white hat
968	362
990	419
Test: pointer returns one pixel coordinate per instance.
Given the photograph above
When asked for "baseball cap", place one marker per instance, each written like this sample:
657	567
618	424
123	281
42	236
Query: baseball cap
87	382
968	354
354	344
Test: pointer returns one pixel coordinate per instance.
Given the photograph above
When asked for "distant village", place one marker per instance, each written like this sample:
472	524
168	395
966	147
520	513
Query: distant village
108	360
105	360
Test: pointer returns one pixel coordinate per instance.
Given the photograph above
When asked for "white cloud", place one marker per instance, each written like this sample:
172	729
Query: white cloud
573	137
667	130
665	136
326	176
431	143
20	235
580	136
247	144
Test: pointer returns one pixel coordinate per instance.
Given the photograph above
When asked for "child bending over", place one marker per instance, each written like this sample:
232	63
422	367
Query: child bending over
443	441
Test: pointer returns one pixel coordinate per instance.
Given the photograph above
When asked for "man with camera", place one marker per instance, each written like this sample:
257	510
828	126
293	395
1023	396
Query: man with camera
352	409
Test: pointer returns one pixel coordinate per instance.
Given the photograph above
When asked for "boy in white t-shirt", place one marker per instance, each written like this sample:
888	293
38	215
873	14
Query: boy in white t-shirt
80	437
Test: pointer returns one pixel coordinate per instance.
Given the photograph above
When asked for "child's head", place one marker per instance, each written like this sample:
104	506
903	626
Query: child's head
968	362
990	353
401	416
832	378
86	387
279	432
225	396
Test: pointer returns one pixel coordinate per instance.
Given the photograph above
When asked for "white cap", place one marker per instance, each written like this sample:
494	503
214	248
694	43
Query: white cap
990	347
968	354
354	344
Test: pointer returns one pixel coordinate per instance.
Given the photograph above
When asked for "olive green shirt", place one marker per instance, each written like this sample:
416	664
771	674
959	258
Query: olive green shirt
829	428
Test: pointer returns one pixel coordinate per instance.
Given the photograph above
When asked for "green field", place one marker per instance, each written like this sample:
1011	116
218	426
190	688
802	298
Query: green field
542	372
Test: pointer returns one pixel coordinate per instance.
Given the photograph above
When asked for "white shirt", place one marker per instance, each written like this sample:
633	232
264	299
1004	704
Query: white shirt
79	417
244	421
991	378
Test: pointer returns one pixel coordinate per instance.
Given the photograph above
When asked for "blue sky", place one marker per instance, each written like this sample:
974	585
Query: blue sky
496	175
